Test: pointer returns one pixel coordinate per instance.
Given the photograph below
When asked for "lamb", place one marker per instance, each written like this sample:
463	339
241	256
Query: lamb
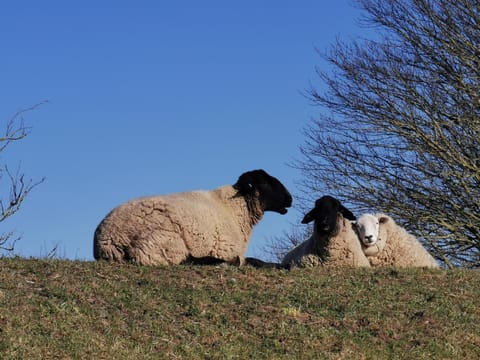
387	244
333	242
197	226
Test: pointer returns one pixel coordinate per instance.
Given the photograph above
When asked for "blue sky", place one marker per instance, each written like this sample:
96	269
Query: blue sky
154	97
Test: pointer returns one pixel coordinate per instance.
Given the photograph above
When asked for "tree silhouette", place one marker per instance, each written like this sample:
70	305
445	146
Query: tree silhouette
400	123
18	186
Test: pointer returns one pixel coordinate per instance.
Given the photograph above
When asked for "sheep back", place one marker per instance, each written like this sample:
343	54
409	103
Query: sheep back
294	256
167	229
340	249
344	249
399	248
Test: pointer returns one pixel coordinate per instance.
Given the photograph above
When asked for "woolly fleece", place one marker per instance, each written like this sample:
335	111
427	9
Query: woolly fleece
396	247
339	249
168	229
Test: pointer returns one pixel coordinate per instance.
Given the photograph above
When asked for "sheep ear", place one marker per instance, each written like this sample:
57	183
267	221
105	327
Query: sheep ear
382	219
355	226
309	217
246	183
347	214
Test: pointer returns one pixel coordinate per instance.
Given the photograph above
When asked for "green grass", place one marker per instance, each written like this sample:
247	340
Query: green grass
52	309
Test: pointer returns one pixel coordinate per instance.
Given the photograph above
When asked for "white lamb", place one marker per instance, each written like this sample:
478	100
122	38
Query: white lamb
197	226
333	242
387	244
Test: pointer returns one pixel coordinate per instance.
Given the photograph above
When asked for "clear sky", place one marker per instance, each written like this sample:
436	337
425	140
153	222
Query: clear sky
154	97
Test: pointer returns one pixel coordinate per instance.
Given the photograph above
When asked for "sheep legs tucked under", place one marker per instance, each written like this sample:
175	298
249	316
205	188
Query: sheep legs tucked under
209	260
257	263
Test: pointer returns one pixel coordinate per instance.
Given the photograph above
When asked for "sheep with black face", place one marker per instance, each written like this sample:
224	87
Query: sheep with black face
333	242
190	226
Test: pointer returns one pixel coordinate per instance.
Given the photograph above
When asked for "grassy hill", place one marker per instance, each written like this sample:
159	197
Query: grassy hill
87	310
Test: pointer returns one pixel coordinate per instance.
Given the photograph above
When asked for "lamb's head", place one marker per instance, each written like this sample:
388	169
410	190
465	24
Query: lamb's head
325	213
368	230
270	193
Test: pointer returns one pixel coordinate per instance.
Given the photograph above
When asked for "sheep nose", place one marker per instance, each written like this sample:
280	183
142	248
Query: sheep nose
368	238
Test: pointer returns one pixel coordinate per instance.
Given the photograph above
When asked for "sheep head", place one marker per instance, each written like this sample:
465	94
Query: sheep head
325	213
271	194
368	230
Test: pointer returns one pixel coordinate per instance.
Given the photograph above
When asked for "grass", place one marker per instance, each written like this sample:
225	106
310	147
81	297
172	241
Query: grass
56	309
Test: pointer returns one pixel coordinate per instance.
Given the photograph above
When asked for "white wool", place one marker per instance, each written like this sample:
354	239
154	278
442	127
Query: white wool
169	229
387	244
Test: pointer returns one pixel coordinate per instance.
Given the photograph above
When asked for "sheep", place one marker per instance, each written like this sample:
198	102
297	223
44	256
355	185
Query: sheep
196	227
387	244
333	242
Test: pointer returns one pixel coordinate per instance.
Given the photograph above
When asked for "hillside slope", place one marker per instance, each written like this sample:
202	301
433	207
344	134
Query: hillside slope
81	310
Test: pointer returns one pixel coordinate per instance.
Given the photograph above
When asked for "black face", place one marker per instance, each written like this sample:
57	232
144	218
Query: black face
325	214
270	192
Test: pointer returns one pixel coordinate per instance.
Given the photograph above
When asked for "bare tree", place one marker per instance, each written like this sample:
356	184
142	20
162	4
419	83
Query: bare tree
18	186
400	123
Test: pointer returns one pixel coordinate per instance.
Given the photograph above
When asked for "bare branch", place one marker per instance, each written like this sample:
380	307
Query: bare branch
402	134
15	128
8	241
19	187
278	246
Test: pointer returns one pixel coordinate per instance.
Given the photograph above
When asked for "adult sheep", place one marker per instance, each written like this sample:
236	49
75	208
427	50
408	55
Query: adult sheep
191	226
333	242
386	243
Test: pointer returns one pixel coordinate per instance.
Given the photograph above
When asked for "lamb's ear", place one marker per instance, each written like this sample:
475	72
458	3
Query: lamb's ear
347	214
309	217
382	219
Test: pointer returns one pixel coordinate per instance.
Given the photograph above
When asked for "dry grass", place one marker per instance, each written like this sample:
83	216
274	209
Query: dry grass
77	310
